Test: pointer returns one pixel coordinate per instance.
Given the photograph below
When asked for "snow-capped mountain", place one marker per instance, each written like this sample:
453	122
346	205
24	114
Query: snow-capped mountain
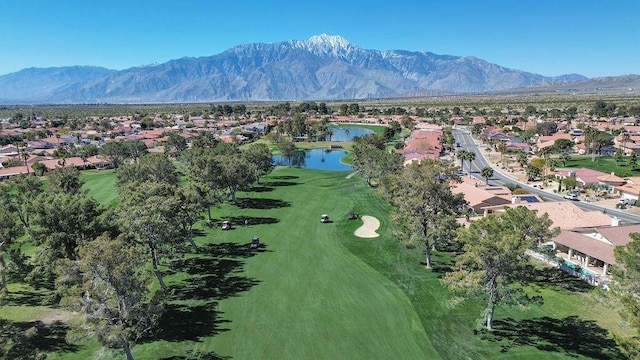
321	67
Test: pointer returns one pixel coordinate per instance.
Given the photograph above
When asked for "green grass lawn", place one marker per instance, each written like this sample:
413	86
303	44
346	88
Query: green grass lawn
606	164
315	291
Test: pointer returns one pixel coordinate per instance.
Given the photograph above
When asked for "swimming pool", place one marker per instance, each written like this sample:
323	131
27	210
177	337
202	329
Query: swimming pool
574	267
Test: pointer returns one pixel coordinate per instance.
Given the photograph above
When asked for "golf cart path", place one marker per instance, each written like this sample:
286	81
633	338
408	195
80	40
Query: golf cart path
369	226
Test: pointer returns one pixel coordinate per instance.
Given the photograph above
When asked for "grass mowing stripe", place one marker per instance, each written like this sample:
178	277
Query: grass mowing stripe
319	292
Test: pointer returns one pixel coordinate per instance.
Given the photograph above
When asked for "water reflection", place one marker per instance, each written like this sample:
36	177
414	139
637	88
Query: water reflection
345	133
323	159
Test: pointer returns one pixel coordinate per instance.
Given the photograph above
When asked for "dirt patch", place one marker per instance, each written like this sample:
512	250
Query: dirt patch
52	315
369	226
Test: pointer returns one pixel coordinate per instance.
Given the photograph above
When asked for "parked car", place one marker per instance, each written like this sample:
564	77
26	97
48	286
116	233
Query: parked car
571	196
623	201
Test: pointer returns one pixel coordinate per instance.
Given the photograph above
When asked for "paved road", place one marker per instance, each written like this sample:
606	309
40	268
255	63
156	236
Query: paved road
466	142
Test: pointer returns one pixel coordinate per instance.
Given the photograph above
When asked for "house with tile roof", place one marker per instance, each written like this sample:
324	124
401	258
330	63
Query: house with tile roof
593	249
564	214
584	176
424	142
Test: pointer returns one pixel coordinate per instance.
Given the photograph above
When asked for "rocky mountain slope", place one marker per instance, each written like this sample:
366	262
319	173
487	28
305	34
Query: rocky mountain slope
322	67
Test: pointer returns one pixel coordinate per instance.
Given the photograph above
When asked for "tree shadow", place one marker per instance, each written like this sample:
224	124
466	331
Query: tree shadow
549	277
440	269
252	220
215	273
199	356
256	203
29	298
198	233
570	335
284	177
36	336
281	183
221	281
259	189
189	323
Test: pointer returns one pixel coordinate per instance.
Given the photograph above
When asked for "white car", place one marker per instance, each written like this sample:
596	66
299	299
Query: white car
571	196
623	201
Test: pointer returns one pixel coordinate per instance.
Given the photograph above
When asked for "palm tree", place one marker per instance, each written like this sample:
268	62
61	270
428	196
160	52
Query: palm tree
625	138
487	173
471	157
462	156
502	148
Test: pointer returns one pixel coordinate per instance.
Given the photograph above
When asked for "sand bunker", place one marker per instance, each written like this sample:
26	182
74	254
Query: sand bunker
368	228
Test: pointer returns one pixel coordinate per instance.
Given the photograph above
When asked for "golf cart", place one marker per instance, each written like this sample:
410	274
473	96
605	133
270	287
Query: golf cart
353	216
226	225
324	218
255	242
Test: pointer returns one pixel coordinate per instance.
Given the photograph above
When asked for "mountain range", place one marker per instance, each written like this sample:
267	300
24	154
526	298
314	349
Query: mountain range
321	67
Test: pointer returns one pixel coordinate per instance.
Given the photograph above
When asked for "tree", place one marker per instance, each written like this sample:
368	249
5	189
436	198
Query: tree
61	223
564	157
372	159
470	157
135	149
425	207
149	214
115	293
462	156
18	193
533	173
618	156
495	257
204	140
39	169
190	207
502	148
235	173
65	180
486	173
625	138
287	149
547	128
115	152
627	285
86	152
570	182
523	158
260	157
633	160
562	145
175	145
10	230
596	140
153	167
203	169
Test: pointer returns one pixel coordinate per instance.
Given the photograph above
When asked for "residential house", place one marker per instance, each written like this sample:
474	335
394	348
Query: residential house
564	214
630	190
583	176
424	142
593	249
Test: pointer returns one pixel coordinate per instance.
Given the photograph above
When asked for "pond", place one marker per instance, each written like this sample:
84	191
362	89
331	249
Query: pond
347	133
322	159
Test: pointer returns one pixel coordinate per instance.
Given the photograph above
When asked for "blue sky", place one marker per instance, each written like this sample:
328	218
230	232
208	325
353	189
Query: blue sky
593	38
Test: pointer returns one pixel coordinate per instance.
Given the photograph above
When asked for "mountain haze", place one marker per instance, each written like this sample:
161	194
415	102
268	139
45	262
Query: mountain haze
322	67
